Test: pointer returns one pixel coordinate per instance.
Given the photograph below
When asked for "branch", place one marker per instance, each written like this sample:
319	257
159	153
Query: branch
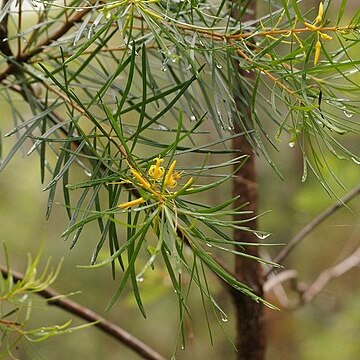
327	275
56	35
313	224
307	293
4	42
88	315
25	57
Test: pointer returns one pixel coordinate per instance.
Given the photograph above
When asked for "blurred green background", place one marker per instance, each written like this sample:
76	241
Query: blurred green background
328	328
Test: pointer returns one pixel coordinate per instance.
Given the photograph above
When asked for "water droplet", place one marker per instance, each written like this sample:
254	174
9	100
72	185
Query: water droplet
5	39
356	161
139	278
220	118
192	118
304	175
88	173
224	318
348	114
292	144
208	244
182	347
219	66
261	236
79	9
160	127
164	65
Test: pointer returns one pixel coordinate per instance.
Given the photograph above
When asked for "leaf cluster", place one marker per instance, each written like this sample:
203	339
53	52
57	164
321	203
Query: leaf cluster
112	86
16	304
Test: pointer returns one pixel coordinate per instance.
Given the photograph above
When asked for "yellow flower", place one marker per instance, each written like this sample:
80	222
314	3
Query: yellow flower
310	26
320	13
171	182
141	180
131	203
317	52
156	171
325	36
169	179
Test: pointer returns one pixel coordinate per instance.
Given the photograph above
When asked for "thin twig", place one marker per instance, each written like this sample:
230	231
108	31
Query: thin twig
25	57
327	275
313	224
88	315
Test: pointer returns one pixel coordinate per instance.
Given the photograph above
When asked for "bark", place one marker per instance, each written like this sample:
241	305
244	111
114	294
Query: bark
251	339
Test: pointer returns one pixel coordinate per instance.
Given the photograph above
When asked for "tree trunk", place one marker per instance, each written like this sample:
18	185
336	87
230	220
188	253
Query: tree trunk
249	314
251	341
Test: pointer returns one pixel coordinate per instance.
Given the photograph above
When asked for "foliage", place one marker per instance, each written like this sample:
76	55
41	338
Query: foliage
16	305
117	88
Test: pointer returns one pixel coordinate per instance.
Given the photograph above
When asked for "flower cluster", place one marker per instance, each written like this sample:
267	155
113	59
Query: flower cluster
157	183
320	35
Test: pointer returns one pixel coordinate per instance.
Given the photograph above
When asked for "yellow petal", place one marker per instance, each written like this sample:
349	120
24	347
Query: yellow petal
170	172
310	26
131	203
325	36
320	13
317	52
141	180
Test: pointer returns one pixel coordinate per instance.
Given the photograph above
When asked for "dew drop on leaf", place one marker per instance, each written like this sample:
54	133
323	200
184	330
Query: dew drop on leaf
348	114
261	236
356	161
224	318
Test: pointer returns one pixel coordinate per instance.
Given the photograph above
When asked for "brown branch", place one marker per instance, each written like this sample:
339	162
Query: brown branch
308	293
4	41
284	253
329	274
250	321
72	20
108	327
24	57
